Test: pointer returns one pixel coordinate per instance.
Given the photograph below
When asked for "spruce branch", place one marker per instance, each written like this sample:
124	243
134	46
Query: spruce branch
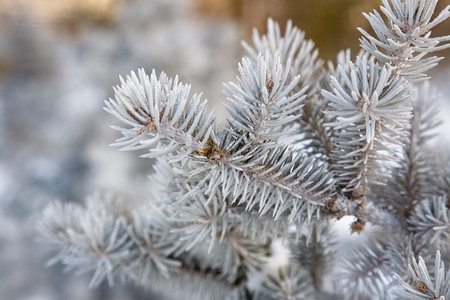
422	284
291	46
140	247
160	116
302	145
369	98
155	247
300	58
415	177
430	222
314	251
403	39
263	100
174	126
202	223
314	135
370	109
205	220
93	241
368	270
289	283
293	189
281	181
277	180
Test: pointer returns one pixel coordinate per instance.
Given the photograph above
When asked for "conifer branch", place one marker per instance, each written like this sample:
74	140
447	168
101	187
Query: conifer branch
368	270
370	109
422	284
315	135
415	177
291	46
143	250
263	100
160	115
430	222
404	39
313	251
288	283
302	145
300	58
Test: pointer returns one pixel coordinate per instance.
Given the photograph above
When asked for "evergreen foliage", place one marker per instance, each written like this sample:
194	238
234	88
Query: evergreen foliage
304	145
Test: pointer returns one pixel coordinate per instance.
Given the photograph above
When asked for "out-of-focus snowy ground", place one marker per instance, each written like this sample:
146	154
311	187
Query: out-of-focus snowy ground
54	134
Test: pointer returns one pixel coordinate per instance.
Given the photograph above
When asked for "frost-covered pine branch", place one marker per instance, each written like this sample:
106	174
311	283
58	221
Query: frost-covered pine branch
423	285
371	112
304	145
403	38
415	177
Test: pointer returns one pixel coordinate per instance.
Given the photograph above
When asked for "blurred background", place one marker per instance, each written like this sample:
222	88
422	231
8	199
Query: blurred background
58	62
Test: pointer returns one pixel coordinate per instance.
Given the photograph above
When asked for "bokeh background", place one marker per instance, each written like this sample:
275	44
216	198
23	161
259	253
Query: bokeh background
59	60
